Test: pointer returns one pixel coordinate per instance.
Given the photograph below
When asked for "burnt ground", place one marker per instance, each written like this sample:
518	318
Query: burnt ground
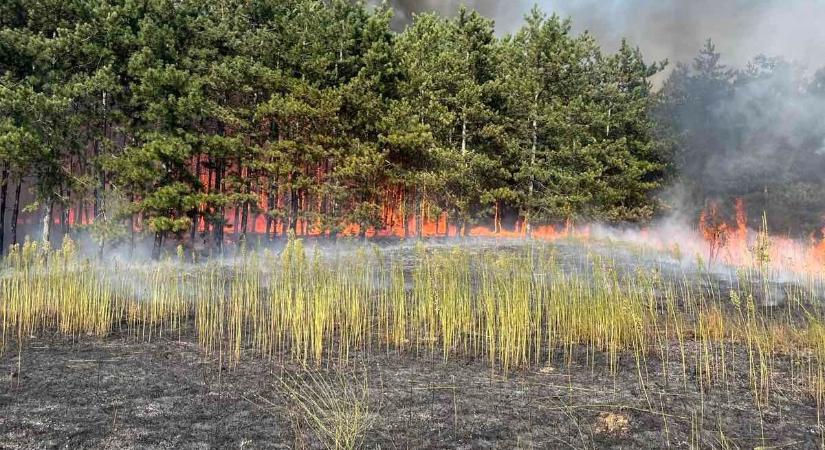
116	393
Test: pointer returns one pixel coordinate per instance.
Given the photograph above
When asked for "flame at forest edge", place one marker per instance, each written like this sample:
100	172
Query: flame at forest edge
735	243
716	239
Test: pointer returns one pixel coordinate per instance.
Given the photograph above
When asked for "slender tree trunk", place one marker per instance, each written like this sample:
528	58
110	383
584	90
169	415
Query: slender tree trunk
238	225
270	201
132	226
64	219
236	217
462	218
132	234
194	229
327	214
157	245
419	214
47	220
495	218
4	190
236	214
463	136
15	211
527	225
101	200
64	228
97	189
218	230
245	220
303	208
287	221
293	206
405	215
195	214
209	225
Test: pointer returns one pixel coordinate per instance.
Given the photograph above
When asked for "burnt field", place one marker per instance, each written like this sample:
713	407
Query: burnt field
119	393
569	344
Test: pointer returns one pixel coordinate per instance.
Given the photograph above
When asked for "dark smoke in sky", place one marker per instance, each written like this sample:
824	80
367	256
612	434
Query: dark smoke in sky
673	29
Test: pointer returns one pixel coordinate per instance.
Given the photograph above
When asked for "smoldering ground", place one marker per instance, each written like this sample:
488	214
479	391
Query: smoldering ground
118	393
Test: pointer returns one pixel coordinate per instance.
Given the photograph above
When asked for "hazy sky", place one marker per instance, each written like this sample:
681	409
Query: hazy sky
674	29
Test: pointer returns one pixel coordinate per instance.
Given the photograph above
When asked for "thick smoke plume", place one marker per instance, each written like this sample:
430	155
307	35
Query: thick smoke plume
673	29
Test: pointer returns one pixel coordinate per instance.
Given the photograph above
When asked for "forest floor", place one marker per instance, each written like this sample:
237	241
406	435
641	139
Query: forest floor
116	393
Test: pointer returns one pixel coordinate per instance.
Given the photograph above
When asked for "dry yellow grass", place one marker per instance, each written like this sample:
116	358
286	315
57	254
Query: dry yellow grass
512	308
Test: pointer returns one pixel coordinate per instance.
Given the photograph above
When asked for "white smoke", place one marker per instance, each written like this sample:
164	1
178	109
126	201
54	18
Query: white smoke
670	29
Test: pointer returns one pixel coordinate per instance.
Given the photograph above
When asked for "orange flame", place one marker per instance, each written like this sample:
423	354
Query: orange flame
741	245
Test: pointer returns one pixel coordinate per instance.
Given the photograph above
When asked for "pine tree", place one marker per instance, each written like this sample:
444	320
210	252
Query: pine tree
620	138
538	65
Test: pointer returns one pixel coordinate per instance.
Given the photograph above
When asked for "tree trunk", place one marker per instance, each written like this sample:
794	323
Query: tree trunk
270	206
96	192
419	214
495	218
132	226
244	220
405	215
4	190
64	219
287	221
193	231
463	136
218	230
102	173
157	245
237	226
527	218
15	211
64	215
293	206
47	220
236	217
195	214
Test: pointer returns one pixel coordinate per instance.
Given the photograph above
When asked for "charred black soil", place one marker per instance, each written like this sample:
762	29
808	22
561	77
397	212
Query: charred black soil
118	393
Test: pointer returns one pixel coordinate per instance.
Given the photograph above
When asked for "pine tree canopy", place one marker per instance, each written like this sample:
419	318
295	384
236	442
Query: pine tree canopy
194	119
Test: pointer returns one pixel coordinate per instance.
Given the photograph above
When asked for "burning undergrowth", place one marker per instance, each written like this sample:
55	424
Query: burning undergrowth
650	267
